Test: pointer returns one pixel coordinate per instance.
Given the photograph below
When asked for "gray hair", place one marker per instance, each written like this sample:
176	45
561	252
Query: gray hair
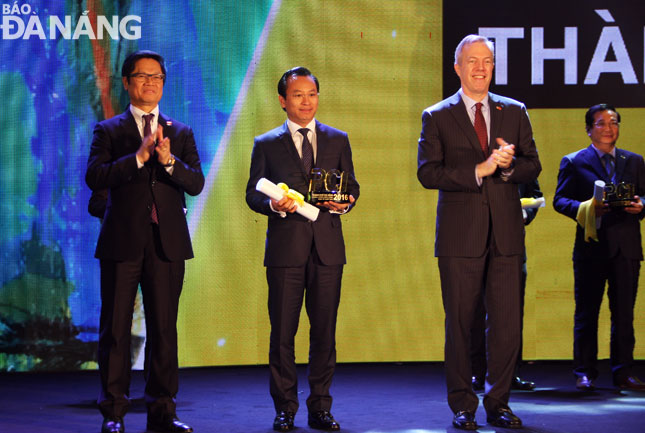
472	39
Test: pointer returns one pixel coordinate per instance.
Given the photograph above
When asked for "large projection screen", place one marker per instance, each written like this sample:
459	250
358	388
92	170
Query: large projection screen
380	63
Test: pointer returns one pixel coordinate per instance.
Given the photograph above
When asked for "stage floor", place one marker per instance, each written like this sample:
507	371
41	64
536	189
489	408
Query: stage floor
368	398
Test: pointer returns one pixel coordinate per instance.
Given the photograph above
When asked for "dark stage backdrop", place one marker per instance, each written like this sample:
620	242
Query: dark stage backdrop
380	63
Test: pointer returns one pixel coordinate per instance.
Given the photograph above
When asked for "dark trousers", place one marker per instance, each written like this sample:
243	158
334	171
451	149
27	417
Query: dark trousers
478	333
465	282
319	285
590	276
161	282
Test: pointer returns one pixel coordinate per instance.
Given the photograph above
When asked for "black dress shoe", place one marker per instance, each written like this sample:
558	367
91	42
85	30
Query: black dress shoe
478	383
522	385
112	425
465	420
504	418
168	424
585	383
323	420
631	383
283	421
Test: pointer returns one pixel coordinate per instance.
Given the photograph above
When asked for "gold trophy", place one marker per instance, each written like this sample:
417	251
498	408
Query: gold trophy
327	185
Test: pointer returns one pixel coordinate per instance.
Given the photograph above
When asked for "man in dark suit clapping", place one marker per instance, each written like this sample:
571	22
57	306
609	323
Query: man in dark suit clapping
304	259
475	148
147	162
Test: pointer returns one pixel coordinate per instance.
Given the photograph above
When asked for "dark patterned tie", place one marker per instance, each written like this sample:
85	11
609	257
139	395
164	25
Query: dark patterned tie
480	128
147	130
147	122
307	151
610	165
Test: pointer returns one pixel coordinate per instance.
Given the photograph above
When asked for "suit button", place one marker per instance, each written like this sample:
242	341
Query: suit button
153	182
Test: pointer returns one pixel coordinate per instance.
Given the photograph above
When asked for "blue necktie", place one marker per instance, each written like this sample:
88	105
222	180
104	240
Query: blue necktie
610	166
307	151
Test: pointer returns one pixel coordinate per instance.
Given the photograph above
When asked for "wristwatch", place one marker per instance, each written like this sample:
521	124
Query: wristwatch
171	161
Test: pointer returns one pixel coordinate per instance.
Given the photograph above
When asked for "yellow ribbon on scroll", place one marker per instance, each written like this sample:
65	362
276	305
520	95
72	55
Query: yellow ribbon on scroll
528	202
292	194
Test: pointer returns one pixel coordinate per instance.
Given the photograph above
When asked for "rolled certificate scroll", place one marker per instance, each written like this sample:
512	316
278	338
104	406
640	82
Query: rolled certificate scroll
598	194
276	192
532	203
599	190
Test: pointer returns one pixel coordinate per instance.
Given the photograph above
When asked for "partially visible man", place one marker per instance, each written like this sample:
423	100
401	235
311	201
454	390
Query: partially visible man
97	204
475	148
478	333
303	259
614	257
146	161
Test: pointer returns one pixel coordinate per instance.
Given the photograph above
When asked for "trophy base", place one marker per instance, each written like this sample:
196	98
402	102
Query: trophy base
619	203
338	197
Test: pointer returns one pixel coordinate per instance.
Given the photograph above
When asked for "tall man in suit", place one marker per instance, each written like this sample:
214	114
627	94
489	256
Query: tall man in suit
475	148
614	256
303	259
147	161
478	332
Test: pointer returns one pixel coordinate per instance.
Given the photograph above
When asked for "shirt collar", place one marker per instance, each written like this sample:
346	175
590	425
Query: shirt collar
470	101
600	153
294	127
138	113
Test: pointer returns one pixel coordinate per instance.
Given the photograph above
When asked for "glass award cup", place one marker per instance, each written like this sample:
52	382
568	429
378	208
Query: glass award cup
619	195
327	185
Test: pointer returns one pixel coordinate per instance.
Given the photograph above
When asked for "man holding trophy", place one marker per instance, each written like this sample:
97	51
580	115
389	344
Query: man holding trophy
304	254
607	246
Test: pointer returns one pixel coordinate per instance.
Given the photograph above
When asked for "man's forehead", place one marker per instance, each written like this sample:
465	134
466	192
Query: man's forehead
606	112
300	82
477	49
147	63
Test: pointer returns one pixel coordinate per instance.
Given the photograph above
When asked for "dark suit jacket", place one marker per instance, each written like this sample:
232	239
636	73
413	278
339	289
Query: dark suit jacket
112	164
449	150
530	190
97	204
289	239
619	231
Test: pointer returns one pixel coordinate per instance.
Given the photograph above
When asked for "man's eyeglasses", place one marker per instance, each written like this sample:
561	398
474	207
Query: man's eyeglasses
142	78
602	124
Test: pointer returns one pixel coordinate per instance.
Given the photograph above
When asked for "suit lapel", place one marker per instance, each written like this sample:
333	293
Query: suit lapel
591	157
621	161
496	108
165	123
458	109
285	139
132	139
321	141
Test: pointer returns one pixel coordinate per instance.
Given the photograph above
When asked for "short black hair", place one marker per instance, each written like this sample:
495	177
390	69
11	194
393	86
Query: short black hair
133	58
298	71
591	112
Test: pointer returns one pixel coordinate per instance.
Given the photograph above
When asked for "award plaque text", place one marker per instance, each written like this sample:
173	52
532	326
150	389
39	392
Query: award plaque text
620	195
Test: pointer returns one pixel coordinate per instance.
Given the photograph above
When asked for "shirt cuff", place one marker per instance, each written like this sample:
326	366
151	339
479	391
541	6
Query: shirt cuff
477	178
281	213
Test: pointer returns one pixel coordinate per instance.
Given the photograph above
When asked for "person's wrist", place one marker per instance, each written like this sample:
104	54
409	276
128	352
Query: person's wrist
171	161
